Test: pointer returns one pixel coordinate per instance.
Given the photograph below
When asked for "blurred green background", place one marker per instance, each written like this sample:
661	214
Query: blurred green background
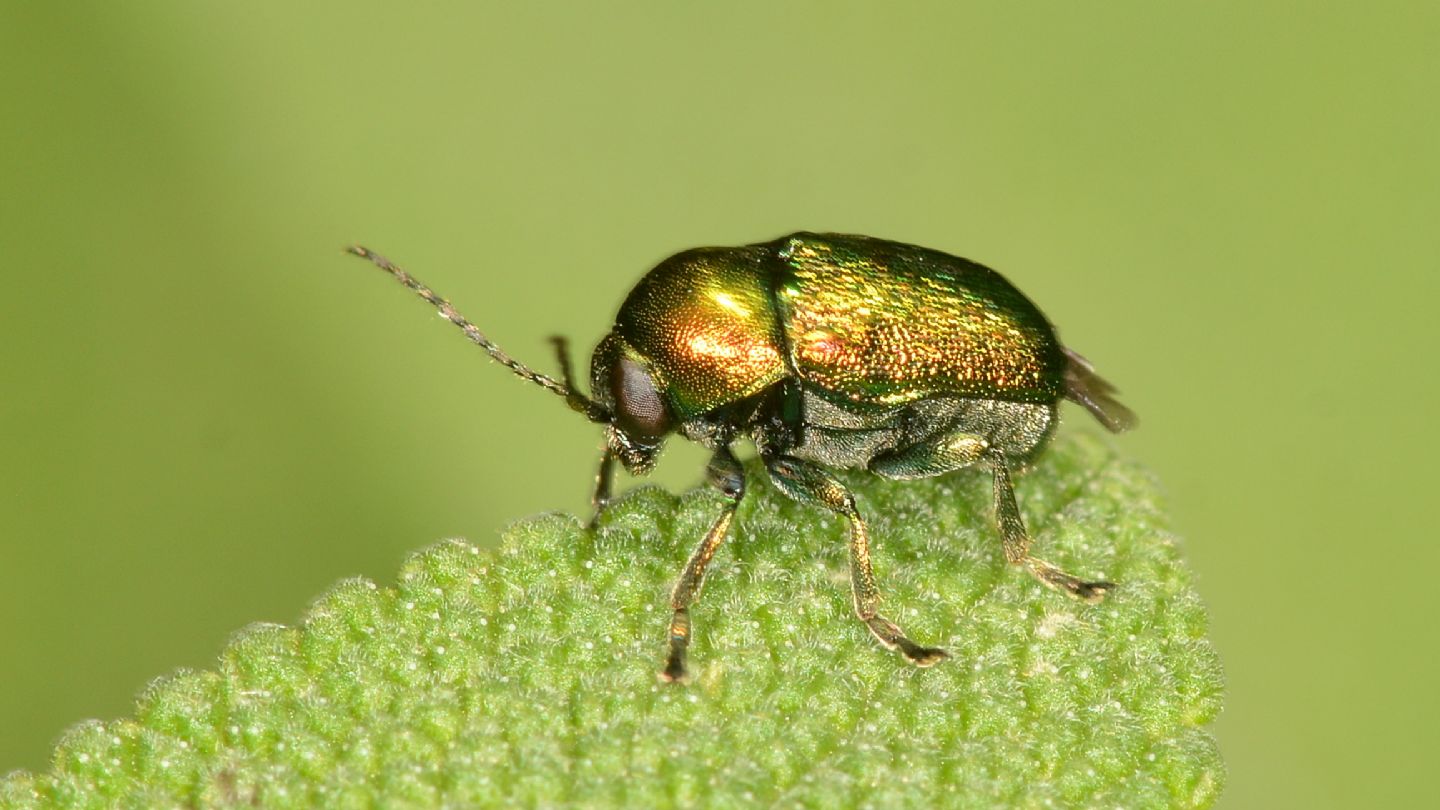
208	414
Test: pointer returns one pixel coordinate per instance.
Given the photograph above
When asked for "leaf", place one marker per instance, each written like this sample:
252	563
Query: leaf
527	676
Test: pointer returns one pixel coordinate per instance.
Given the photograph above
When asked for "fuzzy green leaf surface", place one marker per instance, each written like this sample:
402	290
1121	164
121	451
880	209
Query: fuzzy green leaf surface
526	675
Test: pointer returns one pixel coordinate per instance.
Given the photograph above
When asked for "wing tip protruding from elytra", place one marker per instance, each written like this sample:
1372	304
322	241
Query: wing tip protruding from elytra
1094	393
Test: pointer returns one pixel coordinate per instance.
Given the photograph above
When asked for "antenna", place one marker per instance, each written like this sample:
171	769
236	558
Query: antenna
576	400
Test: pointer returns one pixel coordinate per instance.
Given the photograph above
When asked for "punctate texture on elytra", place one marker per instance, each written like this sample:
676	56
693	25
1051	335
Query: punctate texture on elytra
524	676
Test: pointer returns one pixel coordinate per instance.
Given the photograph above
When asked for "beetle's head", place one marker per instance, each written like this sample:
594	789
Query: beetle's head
623	382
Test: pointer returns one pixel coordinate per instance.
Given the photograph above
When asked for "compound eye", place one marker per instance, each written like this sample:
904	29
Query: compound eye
639	409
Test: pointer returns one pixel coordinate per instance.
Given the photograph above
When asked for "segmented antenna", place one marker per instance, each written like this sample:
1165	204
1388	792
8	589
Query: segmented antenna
576	400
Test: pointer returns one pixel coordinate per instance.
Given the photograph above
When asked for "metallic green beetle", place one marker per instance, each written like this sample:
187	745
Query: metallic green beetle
827	351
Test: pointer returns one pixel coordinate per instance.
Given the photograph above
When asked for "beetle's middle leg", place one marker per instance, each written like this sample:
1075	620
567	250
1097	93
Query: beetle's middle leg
725	474
956	450
808	483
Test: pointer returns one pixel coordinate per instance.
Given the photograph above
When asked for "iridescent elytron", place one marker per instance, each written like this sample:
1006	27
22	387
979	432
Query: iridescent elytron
827	351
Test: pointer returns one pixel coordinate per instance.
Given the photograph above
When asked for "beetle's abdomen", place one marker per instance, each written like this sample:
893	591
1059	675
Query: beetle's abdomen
705	322
884	322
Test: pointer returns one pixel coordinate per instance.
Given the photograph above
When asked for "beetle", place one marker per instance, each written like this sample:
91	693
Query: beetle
827	351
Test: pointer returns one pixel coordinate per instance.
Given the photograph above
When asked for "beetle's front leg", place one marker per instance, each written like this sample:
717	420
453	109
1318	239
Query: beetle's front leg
808	483
604	479
1017	542
725	474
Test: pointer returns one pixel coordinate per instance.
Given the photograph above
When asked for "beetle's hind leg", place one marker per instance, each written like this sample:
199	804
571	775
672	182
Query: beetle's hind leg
808	483
725	474
956	450
1017	542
